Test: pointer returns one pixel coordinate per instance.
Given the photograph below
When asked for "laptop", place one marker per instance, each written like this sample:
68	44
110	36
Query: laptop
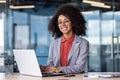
28	65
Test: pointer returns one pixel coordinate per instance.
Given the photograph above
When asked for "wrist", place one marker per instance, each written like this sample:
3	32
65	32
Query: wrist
58	70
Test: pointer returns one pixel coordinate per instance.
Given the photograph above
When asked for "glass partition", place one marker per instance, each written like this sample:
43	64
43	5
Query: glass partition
103	35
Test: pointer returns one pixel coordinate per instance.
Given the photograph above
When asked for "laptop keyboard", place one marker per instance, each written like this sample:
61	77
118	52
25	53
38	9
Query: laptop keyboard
52	74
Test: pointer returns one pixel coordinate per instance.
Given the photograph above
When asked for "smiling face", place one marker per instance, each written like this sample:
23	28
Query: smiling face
65	25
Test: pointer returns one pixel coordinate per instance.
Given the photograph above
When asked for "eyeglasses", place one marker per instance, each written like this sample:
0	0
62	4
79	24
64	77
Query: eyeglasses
64	21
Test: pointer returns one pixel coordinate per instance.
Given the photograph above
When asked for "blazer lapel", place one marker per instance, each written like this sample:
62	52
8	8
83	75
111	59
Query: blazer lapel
75	45
58	51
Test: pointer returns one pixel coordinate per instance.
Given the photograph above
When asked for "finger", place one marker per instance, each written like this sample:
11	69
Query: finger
50	69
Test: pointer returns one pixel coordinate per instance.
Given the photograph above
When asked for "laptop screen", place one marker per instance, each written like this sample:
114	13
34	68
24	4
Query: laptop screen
27	62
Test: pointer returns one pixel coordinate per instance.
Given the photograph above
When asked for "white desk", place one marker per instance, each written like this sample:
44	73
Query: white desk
23	77
2	76
76	77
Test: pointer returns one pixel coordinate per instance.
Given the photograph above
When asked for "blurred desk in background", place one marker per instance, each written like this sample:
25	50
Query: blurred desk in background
1	60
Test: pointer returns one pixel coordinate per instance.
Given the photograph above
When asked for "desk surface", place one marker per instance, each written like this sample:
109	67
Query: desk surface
2	76
76	77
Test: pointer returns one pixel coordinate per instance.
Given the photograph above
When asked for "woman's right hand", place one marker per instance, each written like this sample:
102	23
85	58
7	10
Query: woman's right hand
43	68
52	69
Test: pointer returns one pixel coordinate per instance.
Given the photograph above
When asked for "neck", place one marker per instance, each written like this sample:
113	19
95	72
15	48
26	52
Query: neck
67	36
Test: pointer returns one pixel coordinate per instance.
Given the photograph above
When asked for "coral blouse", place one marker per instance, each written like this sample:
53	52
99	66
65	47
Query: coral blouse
65	49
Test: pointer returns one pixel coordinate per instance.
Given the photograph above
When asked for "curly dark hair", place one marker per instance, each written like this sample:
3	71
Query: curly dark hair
77	19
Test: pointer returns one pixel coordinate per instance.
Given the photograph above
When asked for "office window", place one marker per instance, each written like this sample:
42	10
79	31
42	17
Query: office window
21	36
40	37
1	32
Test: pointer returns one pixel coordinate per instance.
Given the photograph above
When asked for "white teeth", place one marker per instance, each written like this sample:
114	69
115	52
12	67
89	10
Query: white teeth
64	29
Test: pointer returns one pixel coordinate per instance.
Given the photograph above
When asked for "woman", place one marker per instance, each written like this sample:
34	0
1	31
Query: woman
68	52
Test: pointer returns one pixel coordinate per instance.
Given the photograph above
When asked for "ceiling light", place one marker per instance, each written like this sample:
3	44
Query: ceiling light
93	2
21	7
87	12
102	6
96	4
2	1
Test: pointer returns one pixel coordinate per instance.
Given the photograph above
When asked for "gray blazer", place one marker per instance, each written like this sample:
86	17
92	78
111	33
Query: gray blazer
77	56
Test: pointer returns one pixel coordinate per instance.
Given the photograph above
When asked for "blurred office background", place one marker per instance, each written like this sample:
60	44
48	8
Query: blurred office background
23	25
